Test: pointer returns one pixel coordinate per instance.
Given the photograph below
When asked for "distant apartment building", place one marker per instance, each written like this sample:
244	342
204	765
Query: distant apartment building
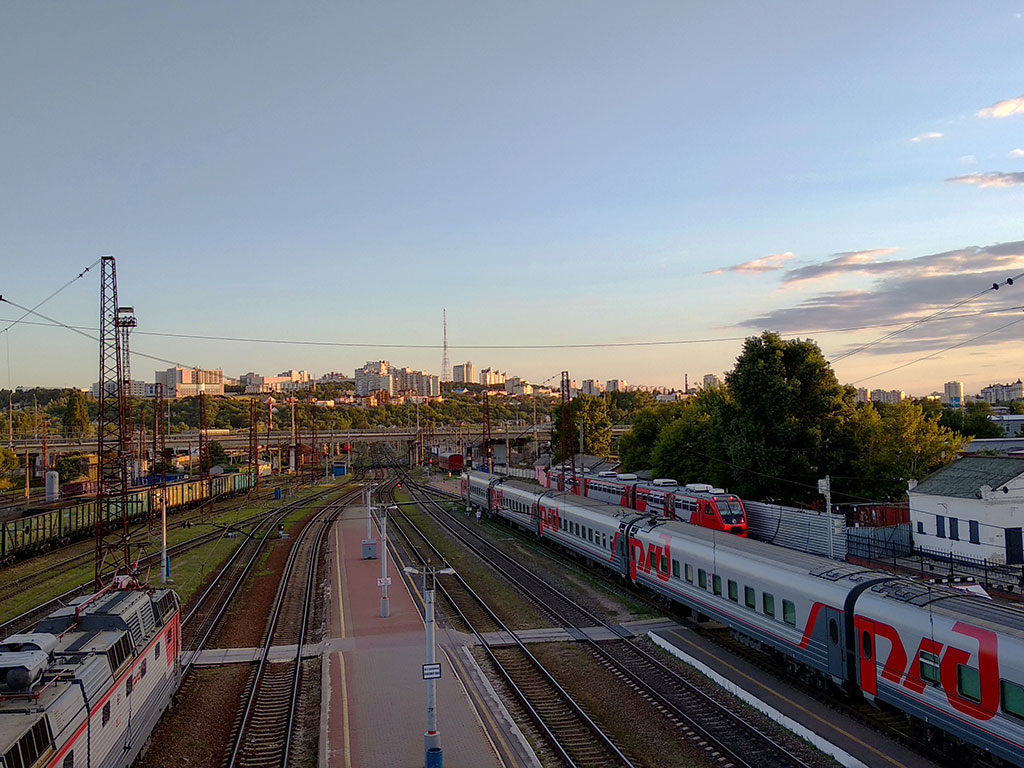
516	386
381	376
1003	393
711	381
953	394
139	389
592	387
189	382
490	377
667	397
286	381
464	374
863	395
334	377
889	396
615	385
420	383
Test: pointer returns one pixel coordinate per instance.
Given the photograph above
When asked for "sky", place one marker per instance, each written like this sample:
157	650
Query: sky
329	176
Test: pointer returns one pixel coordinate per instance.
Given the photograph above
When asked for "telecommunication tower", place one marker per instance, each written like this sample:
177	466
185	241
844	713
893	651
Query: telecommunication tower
114	437
446	372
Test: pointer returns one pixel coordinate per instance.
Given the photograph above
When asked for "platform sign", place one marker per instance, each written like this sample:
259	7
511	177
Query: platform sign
431	671
383	582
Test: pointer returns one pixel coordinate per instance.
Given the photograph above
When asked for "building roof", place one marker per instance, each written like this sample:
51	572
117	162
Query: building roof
995	444
964	478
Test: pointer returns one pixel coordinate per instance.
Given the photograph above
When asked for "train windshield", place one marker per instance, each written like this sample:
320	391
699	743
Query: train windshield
731	511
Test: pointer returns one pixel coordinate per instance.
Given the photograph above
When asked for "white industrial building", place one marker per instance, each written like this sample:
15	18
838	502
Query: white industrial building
973	508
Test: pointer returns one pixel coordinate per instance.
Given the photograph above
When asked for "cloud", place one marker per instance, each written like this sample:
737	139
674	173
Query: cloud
906	290
1017	153
770	263
1006	108
968	160
842	263
932	136
991	179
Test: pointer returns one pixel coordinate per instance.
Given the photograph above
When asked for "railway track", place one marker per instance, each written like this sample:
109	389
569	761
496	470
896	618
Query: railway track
266	723
726	737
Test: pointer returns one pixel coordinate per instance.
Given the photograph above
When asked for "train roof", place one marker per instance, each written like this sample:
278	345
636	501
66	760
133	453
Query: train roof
954	603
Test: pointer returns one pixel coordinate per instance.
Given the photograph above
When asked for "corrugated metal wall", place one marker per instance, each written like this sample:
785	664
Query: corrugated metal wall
803	529
883	543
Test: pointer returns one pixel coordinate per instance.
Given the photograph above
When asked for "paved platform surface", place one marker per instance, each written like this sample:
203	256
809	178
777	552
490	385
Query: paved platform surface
374	694
862	743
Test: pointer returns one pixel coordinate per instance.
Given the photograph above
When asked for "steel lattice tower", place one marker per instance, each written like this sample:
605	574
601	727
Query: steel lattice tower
485	447
254	447
566	429
113	444
446	373
204	444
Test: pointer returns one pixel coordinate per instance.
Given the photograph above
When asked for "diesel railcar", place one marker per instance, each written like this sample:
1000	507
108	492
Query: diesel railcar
45	530
88	685
694	503
952	662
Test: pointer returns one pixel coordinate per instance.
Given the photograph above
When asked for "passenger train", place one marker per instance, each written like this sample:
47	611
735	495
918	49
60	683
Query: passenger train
695	503
952	662
87	686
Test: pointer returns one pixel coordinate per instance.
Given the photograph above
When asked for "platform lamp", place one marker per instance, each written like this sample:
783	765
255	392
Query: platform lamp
431	669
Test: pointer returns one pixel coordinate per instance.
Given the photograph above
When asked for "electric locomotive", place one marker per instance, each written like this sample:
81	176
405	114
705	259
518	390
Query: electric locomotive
87	686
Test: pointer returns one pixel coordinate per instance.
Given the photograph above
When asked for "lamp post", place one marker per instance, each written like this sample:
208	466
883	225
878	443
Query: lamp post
434	757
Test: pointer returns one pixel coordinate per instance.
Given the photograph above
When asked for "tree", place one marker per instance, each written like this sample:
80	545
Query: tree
8	460
972	420
68	467
76	415
782	428
217	456
591	415
690	449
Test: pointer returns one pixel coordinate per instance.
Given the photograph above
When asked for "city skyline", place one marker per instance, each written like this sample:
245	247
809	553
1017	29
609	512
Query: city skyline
564	176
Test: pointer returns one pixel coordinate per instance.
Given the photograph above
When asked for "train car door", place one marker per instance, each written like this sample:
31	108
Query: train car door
865	640
835	643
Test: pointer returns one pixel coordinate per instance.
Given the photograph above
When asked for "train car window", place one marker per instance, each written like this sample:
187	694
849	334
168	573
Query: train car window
928	666
716	584
865	644
750	598
675	568
664	564
702	578
69	760
968	682
688	570
789	613
734	591
833	631
1013	698
106	713
768	604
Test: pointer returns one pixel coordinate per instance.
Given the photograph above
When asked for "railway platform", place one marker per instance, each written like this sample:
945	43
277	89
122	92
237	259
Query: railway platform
849	742
373	694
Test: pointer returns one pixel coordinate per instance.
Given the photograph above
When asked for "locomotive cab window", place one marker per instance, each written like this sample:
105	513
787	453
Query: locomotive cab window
789	613
968	683
1012	696
928	666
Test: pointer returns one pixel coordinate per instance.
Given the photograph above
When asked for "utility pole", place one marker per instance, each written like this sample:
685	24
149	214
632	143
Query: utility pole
825	487
385	605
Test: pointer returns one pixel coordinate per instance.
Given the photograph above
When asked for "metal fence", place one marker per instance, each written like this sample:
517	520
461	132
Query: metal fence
803	529
881	543
525	474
